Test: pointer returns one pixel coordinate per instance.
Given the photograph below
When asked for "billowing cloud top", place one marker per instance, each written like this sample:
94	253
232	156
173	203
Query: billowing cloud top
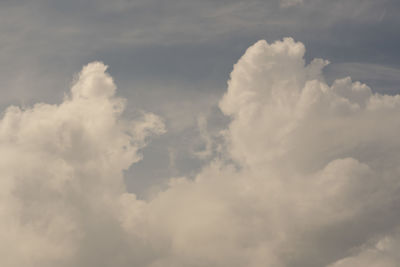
313	179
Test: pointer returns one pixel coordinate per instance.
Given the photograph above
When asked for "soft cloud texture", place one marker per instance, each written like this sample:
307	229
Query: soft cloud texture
306	175
385	253
61	169
173	57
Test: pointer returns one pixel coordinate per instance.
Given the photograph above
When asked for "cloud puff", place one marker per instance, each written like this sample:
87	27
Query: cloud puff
61	168
309	176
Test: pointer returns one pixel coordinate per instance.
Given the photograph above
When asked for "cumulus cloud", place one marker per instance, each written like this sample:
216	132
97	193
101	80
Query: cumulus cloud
309	176
61	168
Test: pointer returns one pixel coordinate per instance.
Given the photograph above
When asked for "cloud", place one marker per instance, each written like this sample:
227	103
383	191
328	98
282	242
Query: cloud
378	76
383	254
61	169
309	176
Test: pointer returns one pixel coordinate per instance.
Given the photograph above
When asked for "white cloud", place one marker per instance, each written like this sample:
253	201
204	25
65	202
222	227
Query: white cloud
61	169
315	176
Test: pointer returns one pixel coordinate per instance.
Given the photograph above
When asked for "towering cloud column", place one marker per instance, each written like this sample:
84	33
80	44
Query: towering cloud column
309	176
61	175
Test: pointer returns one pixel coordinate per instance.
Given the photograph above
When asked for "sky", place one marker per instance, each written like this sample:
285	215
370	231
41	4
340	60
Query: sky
199	133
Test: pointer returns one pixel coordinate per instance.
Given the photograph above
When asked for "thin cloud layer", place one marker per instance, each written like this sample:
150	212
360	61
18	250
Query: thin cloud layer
309	176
